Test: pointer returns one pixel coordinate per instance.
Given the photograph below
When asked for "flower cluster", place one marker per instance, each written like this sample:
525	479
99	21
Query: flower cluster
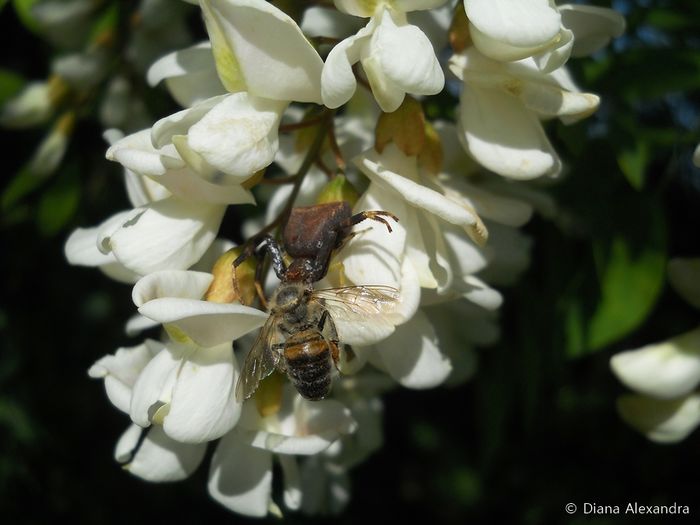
260	115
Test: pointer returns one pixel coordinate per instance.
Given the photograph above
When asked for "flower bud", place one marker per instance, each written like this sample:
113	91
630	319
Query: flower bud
31	107
228	287
405	127
49	154
338	189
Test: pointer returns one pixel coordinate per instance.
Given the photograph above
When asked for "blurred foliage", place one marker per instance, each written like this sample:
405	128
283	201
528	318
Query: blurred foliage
535	429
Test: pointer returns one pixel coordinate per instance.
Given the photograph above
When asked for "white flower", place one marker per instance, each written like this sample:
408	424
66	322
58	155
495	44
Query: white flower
231	137
396	56
500	111
423	209
666	370
31	107
240	476
508	30
157	457
661	420
514	29
666	374
164	229
189	386
167	168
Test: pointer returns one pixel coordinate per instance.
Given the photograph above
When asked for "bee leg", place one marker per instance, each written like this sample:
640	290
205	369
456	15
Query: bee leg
327	328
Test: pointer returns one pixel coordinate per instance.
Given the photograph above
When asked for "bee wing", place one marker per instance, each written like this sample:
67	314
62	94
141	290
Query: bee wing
358	303
260	362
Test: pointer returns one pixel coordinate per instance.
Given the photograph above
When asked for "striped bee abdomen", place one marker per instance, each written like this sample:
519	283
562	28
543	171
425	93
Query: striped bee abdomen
309	364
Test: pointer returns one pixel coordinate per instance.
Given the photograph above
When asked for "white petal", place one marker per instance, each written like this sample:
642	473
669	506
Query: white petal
203	405
504	136
481	294
305	427
190	74
206	323
337	79
467	258
154	385
374	256
593	27
412	354
556	56
171	283
108	227
407	58
487	204
385	169
179	123
188	185
136	153
550	100
684	276
165	167
664	370
182	62
168	234
277	63
696	156
514	24
420	256
663	421
239	135
240	477
138	323
81	249
121	369
158	458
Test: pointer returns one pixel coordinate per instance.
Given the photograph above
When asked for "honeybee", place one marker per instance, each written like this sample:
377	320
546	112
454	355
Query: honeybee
300	337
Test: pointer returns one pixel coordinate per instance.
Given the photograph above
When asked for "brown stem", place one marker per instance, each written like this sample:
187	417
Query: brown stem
325	121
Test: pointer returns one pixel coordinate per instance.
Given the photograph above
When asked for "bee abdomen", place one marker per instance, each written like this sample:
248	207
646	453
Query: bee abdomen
309	368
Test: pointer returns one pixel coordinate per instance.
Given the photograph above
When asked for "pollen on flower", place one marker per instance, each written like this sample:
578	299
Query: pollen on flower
514	86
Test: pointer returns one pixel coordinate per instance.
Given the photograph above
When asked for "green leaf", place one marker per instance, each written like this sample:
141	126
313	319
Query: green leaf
3	3
633	162
59	203
10	84
670	20
106	22
25	15
651	73
631	280
22	184
609	276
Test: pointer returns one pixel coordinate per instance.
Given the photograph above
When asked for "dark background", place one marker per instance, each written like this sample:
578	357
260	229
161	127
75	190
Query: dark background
536	427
